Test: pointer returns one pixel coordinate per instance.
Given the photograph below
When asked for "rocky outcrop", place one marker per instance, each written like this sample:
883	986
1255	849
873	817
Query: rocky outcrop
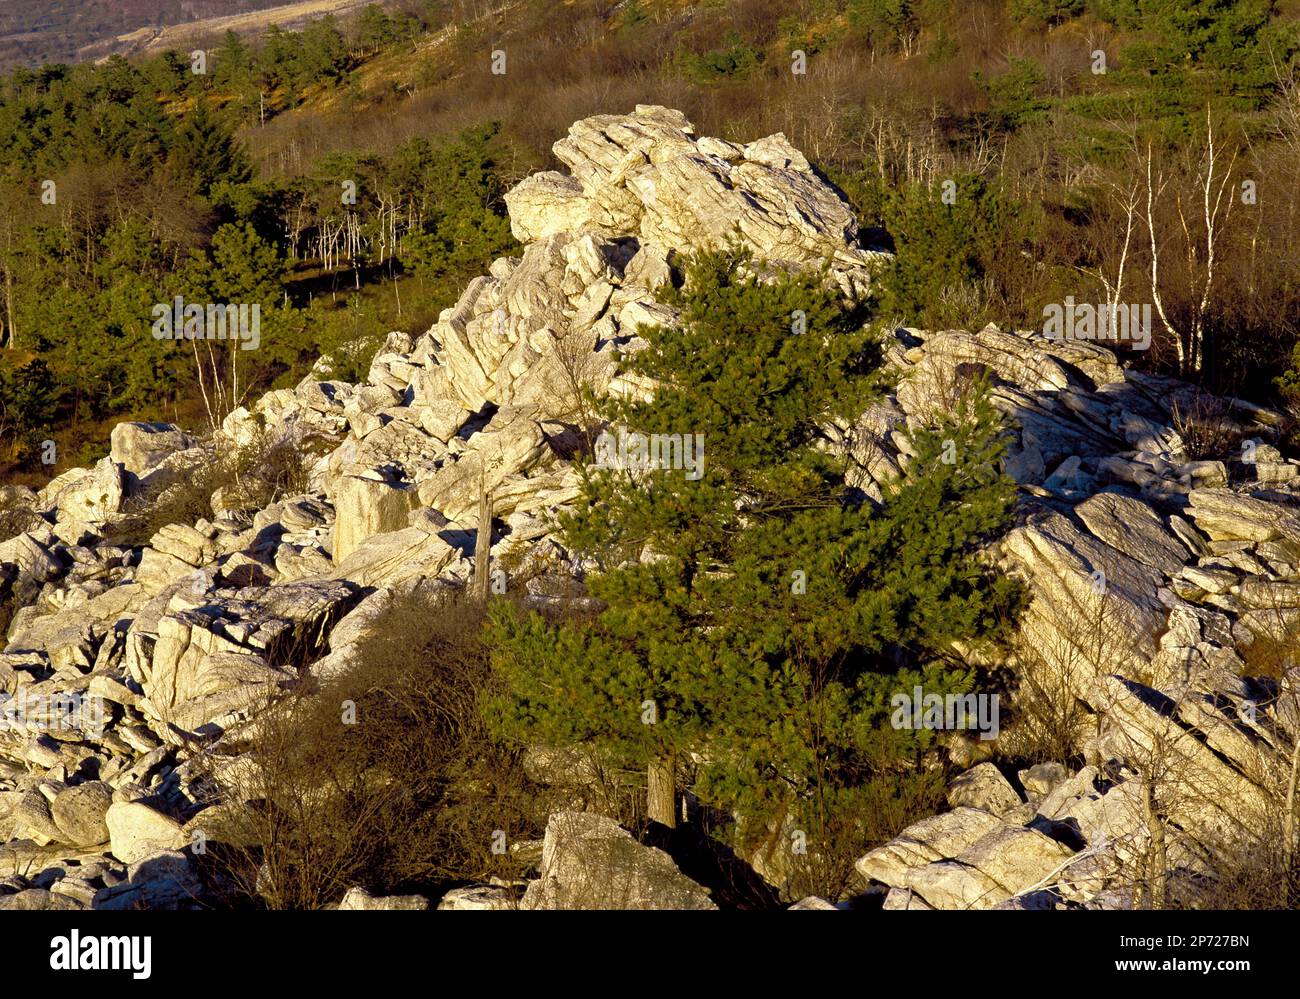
1153	570
138	831
648	175
1150	575
153	455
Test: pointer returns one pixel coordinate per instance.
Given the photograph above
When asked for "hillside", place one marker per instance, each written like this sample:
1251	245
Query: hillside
33	32
168	659
205	31
736	455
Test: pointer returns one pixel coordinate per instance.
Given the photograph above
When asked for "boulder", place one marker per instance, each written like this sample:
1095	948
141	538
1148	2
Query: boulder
1130	526
964	860
359	898
1226	515
812	903
38	900
79	813
480	897
546	203
1040	779
164	880
399	556
137	831
983	787
936	838
365	506
140	448
88	496
590	862
1152	578
511	442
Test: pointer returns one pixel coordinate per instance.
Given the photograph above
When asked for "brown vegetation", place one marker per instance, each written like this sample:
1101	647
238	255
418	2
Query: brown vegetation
384	776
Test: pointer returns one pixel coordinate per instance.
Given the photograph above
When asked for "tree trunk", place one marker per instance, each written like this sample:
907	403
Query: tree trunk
12	331
661	794
10	339
1156	861
483	547
1288	829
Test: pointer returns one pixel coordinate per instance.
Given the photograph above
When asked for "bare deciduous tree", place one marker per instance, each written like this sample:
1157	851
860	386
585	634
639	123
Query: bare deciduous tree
1200	215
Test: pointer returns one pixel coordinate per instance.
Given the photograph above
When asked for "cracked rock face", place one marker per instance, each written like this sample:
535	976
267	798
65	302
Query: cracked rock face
648	175
1150	569
1150	575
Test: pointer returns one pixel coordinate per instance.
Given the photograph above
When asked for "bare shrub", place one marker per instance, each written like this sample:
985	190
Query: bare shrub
384	777
1205	426
959	304
1047	718
847	824
1251	878
1272	654
16	515
269	468
578	368
183	502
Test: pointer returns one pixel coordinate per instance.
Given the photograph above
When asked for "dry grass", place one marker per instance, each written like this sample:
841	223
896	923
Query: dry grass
1206	427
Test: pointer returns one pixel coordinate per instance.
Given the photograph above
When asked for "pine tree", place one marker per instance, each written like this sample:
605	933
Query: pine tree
752	616
206	153
374	28
233	63
28	398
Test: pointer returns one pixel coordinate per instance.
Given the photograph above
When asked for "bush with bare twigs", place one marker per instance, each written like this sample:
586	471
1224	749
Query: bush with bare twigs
1205	426
383	777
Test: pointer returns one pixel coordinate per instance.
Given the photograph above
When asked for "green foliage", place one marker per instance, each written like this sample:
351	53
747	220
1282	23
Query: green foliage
1202	49
736	59
245	267
736	373
785	688
151	206
233	62
1288	383
813	33
205	153
883	23
1013	95
633	15
322	52
465	192
1045	12
375	28
149	172
27	404
943	48
938	247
